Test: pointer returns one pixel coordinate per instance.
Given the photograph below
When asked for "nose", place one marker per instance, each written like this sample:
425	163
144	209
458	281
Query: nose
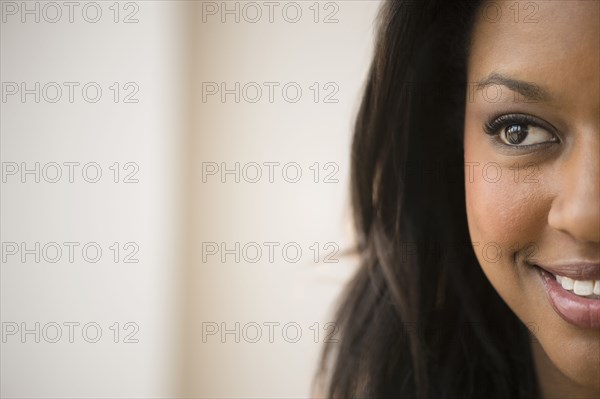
576	207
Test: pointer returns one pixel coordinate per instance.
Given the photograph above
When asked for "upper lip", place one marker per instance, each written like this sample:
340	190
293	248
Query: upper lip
574	270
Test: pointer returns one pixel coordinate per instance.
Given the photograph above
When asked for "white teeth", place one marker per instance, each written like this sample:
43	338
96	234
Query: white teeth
567	283
583	287
579	287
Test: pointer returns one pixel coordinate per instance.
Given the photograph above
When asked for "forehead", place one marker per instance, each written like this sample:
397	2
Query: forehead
554	43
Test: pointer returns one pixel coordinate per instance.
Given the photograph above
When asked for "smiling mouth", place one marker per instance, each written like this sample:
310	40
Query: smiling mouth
582	279
583	288
576	297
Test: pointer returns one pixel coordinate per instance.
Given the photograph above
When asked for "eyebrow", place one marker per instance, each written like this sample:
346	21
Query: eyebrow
526	89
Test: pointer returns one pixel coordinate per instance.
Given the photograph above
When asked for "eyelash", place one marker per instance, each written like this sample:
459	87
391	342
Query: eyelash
497	125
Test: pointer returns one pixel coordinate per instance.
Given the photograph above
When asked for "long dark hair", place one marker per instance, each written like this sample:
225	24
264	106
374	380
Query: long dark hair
419	319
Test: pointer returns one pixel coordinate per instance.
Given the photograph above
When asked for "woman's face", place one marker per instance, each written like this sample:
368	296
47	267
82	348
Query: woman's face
532	166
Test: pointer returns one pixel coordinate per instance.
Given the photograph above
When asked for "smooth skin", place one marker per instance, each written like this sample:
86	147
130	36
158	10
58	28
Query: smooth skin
537	197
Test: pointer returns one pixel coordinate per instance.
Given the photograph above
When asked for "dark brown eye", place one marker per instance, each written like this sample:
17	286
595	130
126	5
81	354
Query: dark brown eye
515	134
520	131
523	134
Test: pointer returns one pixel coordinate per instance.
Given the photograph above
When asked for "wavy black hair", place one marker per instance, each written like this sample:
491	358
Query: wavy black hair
420	319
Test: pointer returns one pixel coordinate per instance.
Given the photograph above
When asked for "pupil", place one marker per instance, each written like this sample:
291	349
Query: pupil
515	134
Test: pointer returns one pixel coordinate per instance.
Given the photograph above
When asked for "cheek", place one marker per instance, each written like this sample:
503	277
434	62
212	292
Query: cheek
506	216
500	221
504	212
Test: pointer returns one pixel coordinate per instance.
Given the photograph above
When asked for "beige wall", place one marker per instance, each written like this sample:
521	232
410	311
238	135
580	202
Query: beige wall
181	294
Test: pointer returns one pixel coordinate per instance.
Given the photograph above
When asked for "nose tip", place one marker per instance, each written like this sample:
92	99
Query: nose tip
581	220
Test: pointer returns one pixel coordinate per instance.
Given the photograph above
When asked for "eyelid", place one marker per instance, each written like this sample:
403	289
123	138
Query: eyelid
493	127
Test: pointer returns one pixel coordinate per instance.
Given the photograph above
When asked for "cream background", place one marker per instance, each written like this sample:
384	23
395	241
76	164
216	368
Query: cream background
171	292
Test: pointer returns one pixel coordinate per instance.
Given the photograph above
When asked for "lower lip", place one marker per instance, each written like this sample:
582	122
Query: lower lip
582	312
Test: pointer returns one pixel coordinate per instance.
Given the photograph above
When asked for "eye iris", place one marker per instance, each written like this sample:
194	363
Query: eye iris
515	134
